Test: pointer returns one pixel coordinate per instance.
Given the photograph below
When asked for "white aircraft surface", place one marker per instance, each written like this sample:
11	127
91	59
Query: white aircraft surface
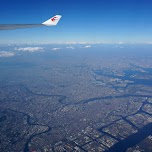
51	22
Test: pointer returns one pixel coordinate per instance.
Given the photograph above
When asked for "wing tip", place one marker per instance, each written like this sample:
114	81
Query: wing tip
52	21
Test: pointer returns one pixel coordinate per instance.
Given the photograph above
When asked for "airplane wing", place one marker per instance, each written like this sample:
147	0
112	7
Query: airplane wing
51	22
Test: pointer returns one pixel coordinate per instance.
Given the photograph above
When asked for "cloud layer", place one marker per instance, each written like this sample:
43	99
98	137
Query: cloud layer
55	49
30	49
70	47
6	54
87	46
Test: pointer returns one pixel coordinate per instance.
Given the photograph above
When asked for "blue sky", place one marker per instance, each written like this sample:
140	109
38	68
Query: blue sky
91	21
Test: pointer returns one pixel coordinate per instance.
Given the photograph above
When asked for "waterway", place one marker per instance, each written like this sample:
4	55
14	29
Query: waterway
122	145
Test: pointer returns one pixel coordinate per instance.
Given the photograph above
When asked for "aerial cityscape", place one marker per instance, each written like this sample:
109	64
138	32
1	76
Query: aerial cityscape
76	98
75	76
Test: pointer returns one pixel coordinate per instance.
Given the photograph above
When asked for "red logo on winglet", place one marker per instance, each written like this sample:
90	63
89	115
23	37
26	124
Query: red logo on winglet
53	19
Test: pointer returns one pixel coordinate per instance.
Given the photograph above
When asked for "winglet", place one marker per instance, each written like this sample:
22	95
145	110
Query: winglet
52	21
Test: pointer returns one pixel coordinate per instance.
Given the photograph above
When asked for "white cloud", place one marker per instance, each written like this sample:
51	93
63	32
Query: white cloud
69	42
6	54
55	49
87	46
29	49
70	47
